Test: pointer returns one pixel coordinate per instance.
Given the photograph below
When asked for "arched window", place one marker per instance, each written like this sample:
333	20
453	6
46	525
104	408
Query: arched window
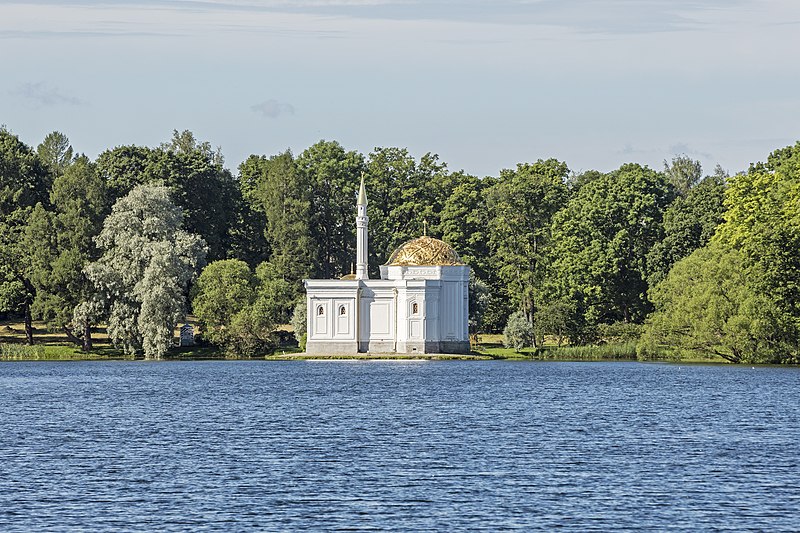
342	310
414	308
320	311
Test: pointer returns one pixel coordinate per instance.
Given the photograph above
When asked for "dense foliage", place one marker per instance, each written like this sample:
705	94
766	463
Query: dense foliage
518	333
696	265
707	304
236	307
147	261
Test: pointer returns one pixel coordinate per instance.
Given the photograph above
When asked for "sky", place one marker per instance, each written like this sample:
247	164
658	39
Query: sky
486	84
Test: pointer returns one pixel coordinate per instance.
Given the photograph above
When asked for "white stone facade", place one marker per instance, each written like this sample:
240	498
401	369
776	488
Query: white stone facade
412	309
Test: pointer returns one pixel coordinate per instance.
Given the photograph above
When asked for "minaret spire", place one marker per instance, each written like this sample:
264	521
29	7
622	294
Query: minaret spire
361	232
362	193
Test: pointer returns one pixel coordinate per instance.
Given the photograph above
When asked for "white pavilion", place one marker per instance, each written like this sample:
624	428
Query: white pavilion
420	305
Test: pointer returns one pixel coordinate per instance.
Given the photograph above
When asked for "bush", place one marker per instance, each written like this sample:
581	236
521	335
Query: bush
251	333
299	319
555	318
518	332
647	350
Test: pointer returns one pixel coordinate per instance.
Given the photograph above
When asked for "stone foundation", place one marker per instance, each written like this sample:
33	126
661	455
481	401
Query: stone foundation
331	347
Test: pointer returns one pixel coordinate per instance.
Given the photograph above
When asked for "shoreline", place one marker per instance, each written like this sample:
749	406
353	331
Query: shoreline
92	357
485	351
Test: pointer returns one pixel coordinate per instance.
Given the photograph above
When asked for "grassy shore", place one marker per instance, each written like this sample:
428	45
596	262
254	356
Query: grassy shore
50	345
54	346
492	345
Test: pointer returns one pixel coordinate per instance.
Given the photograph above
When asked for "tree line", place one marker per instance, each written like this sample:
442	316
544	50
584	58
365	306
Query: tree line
683	262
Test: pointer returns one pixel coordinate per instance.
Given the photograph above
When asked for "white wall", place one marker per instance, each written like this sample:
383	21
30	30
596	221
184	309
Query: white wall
331	315
379	314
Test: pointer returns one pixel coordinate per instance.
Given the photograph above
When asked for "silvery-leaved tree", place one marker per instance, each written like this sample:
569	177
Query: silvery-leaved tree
147	263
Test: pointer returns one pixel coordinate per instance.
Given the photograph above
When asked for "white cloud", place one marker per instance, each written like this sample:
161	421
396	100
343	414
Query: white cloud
682	148
272	108
43	95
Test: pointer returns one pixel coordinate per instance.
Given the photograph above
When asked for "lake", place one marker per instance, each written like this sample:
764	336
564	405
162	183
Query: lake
396	446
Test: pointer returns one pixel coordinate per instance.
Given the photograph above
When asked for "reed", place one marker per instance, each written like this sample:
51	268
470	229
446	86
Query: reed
21	351
601	352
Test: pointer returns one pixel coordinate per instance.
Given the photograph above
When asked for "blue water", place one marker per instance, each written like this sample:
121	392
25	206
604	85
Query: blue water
265	446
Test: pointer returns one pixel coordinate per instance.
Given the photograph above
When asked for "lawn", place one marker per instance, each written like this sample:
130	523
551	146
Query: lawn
54	345
491	344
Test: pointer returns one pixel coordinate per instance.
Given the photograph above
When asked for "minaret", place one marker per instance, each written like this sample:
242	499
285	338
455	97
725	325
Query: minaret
361	233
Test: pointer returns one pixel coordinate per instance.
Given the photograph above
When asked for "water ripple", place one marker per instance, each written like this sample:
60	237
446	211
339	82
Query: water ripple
396	446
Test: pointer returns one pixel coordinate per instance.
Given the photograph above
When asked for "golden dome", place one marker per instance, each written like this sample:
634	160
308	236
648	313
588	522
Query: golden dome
424	251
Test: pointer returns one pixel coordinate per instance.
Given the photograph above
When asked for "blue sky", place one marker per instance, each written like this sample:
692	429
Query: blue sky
485	84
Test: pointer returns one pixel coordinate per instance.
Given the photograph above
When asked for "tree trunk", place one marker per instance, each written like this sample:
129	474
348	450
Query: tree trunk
31	293
87	337
28	324
71	336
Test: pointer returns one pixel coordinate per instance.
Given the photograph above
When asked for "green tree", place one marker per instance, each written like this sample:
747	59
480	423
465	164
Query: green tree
202	188
464	224
123	168
689	223
276	296
683	173
577	180
61	244
205	191
404	195
518	333
238	309
762	221
708	305
252	331
434	185
147	262
24	182
786	159
55	153
184	142
333	175
282	195
522	205
556	318
479	300
391	175
23	179
222	291
248	235
602	238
